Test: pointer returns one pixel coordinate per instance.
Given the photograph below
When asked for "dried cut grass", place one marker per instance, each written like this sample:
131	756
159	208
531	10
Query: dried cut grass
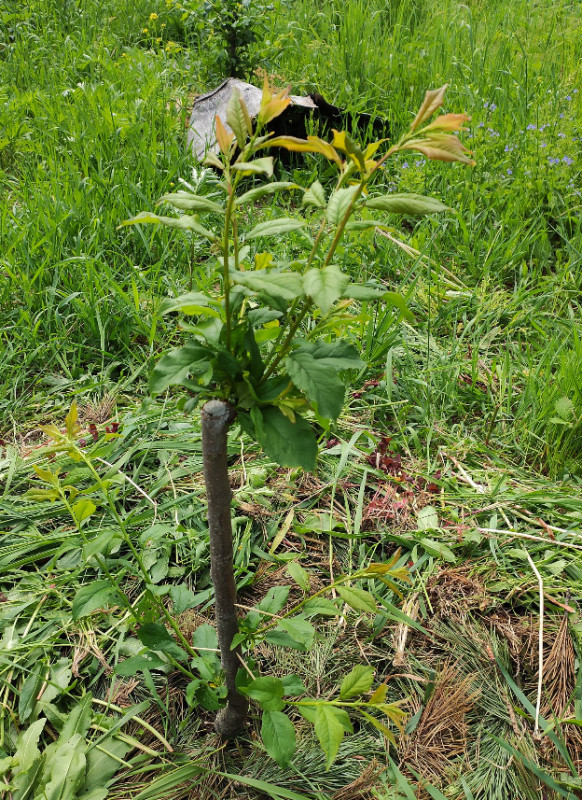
441	733
98	410
454	593
361	788
559	683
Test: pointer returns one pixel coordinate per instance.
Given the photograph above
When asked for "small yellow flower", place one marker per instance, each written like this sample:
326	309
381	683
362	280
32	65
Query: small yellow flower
153	16
145	30
124	55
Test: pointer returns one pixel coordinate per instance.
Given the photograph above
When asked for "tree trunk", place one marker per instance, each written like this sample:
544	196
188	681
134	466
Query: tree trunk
216	417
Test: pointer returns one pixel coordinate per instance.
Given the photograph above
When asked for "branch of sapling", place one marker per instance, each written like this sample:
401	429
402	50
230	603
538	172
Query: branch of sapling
284	348
226	254
230	221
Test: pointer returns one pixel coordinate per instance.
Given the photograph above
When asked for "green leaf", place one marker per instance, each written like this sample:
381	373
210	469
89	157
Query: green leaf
313	367
290	444
42	495
281	638
274	227
182	598
184	223
338	204
330	732
186	201
134	664
236	118
98	594
427	519
380	726
270	605
325	286
278	735
439	550
156	637
412	204
299	574
83	509
565	409
28	693
102	764
67	769
364	293
322	607
47	476
175	367
308	712
275	599
261	191
339	354
100	543
212	160
293	685
26	745
78	719
363	225
315	195
287	285
300	630
260	166
190	304
358	681
358	599
205	638
208	329
320	383
267	691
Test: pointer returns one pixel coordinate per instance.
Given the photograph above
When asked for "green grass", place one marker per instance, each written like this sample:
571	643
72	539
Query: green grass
481	397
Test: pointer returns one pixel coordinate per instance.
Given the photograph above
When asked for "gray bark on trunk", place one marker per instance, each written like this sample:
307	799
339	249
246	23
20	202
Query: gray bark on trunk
216	417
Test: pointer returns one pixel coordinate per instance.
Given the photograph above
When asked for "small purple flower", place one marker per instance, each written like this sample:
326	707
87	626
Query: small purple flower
492	107
568	97
404	165
561	116
575	91
481	125
420	163
508	148
510	172
485	104
567	160
543	144
553	160
531	127
561	135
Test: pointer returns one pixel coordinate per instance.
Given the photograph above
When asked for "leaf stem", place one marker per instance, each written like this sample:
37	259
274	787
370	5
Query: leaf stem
226	265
